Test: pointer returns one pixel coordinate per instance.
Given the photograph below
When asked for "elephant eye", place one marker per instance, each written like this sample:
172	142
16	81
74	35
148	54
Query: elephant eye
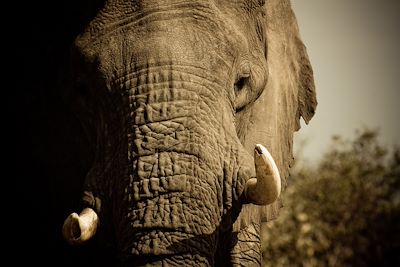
242	85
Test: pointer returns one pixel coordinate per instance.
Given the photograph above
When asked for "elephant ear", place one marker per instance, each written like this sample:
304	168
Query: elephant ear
288	96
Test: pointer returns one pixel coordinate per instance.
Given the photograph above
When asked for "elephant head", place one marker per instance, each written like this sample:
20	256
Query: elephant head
176	96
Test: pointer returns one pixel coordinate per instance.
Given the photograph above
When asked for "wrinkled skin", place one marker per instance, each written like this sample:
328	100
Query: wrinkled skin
173	96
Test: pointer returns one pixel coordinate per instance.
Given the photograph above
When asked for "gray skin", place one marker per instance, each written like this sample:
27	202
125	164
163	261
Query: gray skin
174	96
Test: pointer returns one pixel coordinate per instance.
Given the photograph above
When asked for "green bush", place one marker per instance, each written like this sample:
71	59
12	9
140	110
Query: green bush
345	211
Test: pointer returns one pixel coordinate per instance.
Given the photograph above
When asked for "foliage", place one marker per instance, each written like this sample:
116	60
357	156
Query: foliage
345	211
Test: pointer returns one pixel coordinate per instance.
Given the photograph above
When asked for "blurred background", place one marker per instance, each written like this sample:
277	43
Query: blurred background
354	49
342	205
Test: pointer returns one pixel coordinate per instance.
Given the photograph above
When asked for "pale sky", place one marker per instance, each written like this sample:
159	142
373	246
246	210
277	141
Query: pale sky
354	48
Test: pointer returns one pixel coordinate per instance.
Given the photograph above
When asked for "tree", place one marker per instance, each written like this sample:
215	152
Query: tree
345	211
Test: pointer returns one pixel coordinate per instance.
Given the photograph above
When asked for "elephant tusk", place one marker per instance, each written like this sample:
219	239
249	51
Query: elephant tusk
266	188
79	228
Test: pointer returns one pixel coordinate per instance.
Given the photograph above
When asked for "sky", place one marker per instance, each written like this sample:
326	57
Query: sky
354	48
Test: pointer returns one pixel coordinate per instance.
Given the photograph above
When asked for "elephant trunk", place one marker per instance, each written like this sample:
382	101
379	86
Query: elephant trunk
172	200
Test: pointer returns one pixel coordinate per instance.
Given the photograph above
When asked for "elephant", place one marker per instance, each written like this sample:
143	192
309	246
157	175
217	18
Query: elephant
190	109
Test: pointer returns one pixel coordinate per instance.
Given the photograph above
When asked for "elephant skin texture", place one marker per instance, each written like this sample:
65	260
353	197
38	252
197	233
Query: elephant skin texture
171	98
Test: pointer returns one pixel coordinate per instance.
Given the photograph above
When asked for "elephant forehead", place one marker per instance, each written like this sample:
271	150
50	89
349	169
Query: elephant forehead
162	17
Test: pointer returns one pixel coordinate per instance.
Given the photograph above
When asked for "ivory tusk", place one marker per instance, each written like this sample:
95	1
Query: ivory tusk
266	188
79	228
